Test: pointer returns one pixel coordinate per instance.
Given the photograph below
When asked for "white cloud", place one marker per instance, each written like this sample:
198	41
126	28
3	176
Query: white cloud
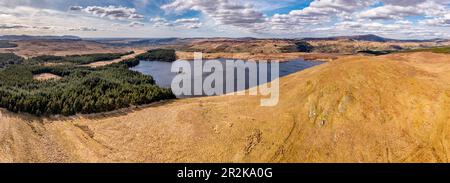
190	23
360	17
13	26
402	9
38	21
160	22
389	12
83	29
76	8
443	21
187	20
224	12
136	24
317	13
404	22
111	12
394	18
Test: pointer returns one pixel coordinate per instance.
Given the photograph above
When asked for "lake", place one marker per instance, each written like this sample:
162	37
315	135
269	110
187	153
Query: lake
161	72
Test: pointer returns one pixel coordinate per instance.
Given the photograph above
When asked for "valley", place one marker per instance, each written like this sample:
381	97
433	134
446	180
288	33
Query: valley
389	108
355	107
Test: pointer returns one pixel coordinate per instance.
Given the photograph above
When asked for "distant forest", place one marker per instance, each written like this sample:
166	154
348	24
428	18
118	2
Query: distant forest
9	59
81	90
168	55
80	59
301	46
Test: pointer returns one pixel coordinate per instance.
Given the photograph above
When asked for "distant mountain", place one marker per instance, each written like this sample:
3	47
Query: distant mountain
368	37
27	37
135	41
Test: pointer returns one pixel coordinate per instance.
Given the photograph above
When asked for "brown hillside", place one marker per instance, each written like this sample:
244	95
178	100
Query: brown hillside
276	46
60	48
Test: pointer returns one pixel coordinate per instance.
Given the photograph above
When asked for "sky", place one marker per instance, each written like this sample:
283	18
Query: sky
401	19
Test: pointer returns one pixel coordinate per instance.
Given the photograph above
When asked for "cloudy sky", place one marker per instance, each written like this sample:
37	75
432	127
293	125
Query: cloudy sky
418	19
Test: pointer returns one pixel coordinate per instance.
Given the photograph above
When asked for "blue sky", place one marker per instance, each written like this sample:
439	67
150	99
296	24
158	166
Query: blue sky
418	19
289	6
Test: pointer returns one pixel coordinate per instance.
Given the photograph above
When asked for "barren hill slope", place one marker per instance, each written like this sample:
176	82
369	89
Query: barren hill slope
393	108
32	48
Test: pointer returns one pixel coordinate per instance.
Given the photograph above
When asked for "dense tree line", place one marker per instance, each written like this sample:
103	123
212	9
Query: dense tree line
377	52
80	59
81	90
300	46
168	55
128	62
9	59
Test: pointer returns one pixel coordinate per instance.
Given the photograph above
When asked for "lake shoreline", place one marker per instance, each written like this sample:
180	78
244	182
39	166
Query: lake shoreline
123	111
279	57
160	71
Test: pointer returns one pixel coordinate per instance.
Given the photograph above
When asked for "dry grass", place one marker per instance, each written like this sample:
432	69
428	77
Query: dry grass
236	46
274	46
349	47
392	108
282	57
60	48
46	76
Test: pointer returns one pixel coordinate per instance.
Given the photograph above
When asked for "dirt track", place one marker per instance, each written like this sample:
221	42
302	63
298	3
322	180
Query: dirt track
392	108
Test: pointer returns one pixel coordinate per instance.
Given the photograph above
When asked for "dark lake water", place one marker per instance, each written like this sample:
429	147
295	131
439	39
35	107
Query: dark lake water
161	72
